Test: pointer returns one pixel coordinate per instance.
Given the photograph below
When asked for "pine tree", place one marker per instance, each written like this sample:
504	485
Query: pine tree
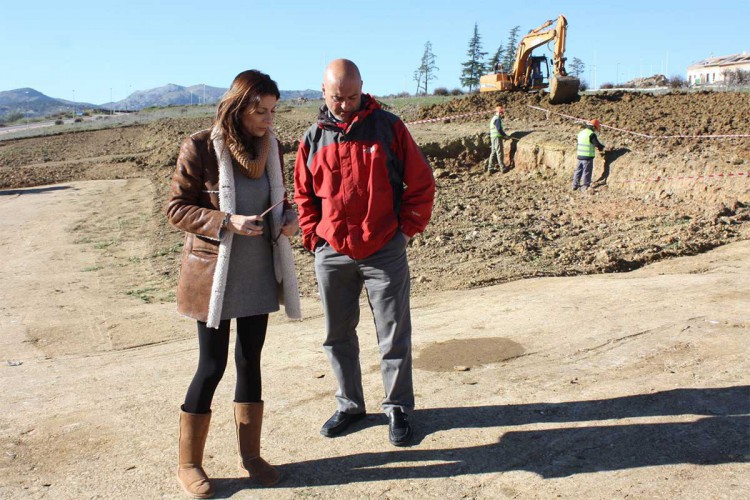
426	70
474	67
497	59
510	48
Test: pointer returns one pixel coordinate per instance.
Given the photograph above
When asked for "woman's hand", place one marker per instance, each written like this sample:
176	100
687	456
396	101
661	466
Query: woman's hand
291	225
250	225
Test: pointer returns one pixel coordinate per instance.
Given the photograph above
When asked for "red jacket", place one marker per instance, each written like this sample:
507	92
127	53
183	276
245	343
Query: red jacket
358	183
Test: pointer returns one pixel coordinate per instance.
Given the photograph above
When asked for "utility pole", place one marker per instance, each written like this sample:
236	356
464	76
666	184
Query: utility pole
74	103
111	103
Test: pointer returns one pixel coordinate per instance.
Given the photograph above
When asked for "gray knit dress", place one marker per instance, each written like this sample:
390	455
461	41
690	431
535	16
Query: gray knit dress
251	284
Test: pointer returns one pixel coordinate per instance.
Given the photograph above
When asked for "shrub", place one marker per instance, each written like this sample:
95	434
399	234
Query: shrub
12	117
403	94
583	86
78	120
59	122
677	82
457	91
737	77
441	91
607	86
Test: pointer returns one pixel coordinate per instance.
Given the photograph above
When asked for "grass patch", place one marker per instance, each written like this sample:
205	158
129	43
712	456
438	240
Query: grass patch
104	244
145	294
92	268
168	251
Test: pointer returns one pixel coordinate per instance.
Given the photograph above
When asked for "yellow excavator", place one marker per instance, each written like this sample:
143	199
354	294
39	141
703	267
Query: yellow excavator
532	72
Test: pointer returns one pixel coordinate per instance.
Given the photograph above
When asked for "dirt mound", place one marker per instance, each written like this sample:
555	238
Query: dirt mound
698	113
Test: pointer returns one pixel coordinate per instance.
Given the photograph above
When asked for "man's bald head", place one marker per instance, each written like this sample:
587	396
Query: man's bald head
342	89
340	70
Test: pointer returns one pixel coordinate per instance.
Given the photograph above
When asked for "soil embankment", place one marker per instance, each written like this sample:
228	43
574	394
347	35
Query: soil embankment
491	229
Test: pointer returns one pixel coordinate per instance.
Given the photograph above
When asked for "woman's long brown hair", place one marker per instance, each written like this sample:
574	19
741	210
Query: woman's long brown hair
243	96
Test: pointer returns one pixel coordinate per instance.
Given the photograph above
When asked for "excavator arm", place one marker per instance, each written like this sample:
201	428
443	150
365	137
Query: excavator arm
532	40
562	88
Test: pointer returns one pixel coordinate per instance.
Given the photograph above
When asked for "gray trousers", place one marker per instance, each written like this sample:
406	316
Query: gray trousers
496	153
385	276
582	174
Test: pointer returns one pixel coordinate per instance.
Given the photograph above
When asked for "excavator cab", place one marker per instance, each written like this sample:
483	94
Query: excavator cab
537	73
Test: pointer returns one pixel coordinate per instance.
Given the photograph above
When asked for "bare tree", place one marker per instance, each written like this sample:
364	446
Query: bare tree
577	67
426	70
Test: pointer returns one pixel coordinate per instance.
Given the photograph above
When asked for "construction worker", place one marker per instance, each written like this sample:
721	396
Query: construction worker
587	141
496	137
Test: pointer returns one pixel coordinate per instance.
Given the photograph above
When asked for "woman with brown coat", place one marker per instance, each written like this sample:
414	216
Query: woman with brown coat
228	195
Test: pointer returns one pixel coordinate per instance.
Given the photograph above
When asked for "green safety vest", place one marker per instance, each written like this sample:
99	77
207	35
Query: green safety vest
493	129
585	148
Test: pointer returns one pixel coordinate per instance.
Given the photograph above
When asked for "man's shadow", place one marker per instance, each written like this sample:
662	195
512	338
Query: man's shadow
719	434
40	190
515	137
610	157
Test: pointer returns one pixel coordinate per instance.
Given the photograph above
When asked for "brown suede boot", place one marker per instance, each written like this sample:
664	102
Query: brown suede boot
248	418
190	473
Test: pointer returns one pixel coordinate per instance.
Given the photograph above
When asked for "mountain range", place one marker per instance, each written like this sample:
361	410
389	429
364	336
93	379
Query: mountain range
33	104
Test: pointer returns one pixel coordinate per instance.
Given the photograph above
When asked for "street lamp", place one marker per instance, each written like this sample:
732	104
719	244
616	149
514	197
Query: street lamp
27	109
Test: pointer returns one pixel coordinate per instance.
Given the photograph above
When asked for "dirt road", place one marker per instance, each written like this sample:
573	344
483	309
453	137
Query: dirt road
610	386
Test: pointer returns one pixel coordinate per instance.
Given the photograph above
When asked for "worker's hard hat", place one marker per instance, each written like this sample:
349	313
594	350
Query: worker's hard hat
500	109
596	124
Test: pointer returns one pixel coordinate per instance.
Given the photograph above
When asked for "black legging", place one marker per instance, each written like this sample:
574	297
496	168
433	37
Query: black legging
214	350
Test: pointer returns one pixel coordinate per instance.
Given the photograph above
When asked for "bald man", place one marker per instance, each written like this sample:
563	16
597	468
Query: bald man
363	189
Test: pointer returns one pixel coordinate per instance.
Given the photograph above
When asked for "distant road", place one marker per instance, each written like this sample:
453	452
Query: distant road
16	128
30	126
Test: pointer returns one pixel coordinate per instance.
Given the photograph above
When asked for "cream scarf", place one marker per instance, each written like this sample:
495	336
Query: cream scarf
283	257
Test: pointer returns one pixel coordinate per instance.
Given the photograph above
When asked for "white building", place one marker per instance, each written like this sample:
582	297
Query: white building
711	70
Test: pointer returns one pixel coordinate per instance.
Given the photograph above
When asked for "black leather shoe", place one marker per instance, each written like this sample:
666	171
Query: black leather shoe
399	429
339	422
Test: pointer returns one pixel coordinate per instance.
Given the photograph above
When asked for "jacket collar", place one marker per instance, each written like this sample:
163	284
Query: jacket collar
327	121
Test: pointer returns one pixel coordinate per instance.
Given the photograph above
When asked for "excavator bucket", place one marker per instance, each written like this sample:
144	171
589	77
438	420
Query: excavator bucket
563	89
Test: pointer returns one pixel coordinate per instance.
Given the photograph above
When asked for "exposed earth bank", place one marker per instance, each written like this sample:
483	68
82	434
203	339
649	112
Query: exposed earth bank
656	198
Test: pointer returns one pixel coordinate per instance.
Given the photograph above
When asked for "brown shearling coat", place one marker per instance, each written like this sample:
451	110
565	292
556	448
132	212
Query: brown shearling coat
193	207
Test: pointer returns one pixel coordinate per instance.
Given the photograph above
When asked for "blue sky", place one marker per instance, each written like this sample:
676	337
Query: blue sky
90	50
